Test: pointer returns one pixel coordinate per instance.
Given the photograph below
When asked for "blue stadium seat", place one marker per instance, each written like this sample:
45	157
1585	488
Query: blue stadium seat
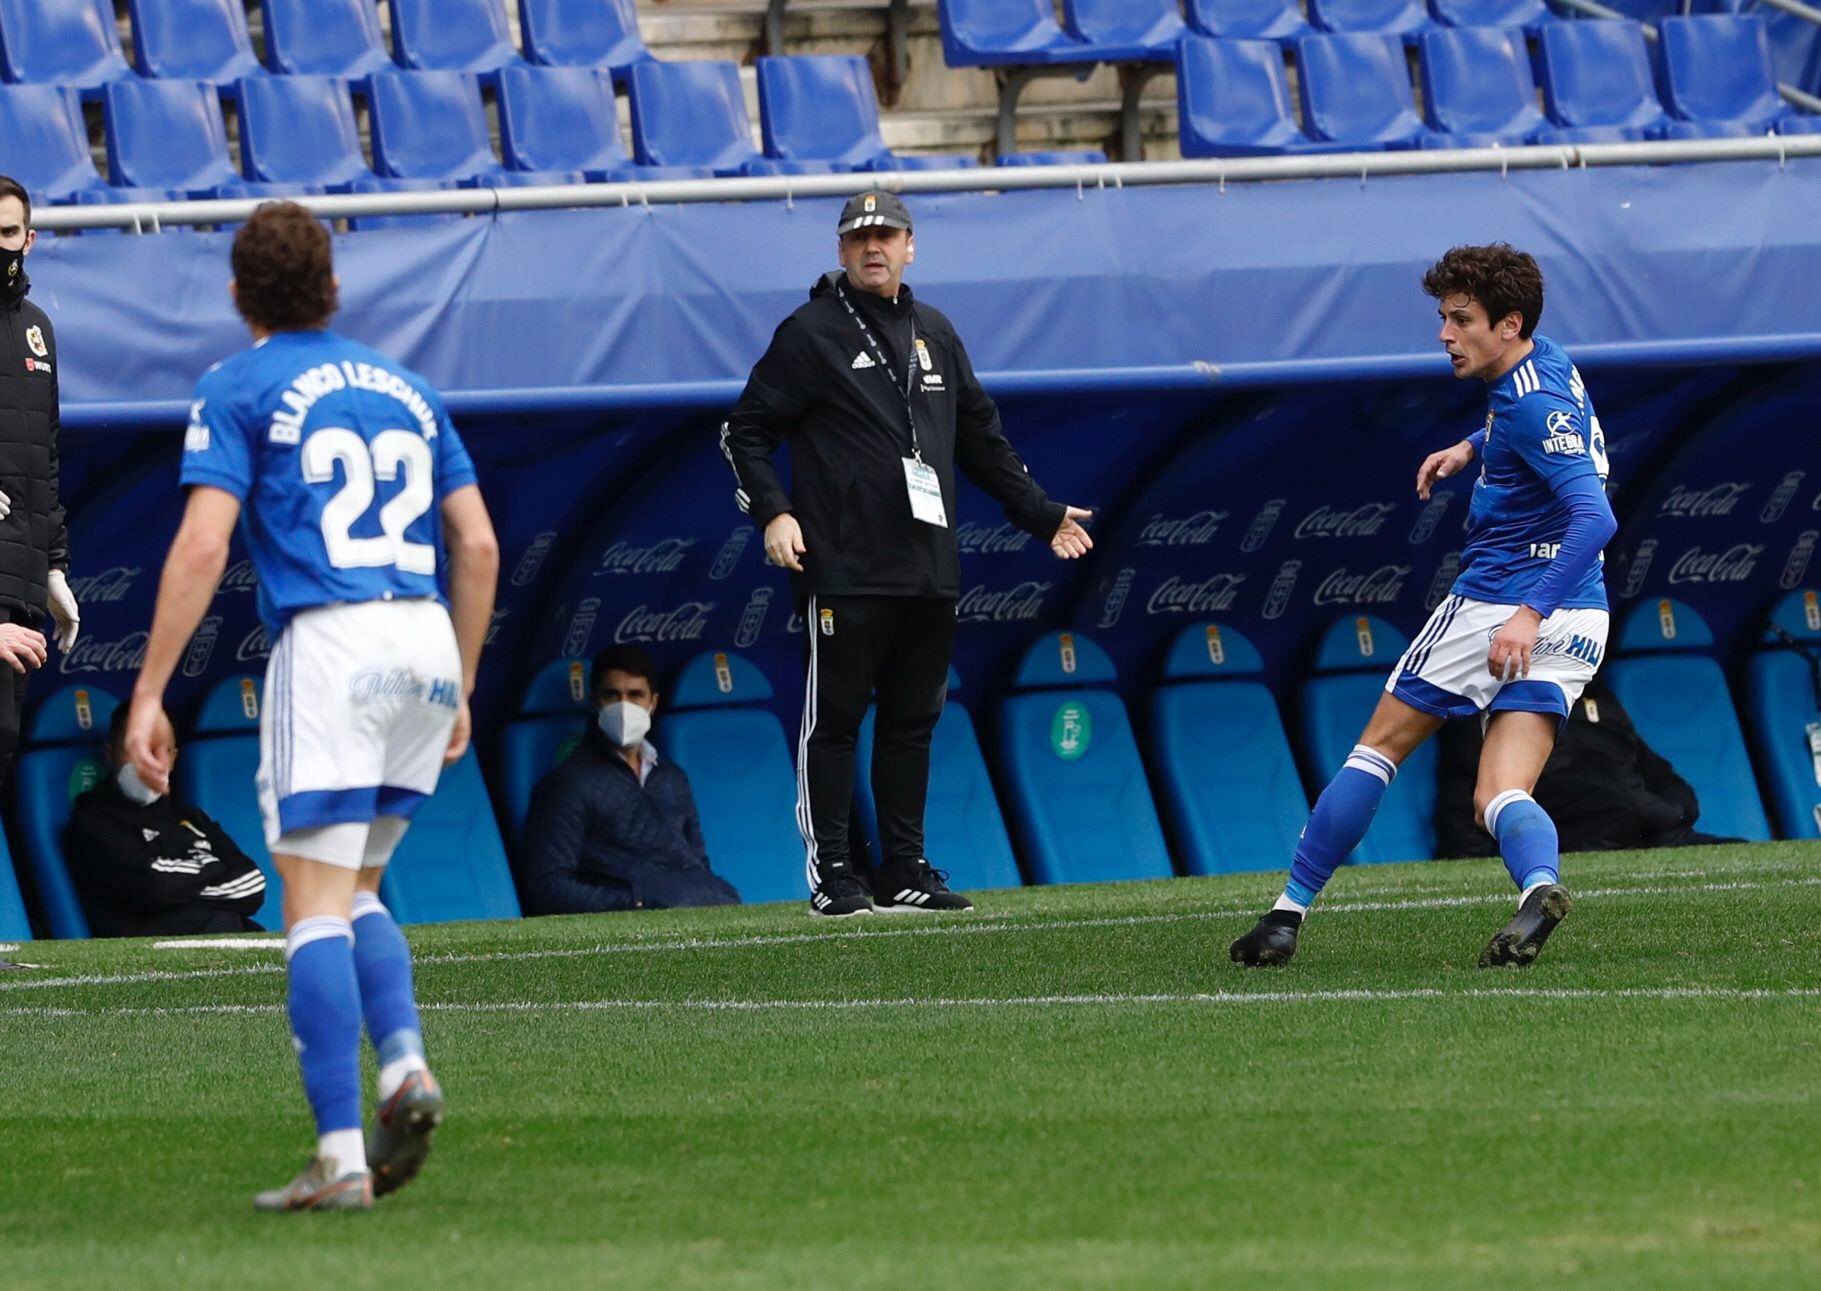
215	772
325	37
694	115
47	145
430	125
566	118
1356	91
1531	15
167	134
1680	703
1407	18
1233	100
1279	20
193	40
1054	157
963	829
1353	660
1718	76
60	42
1477	87
1126	29
452	35
1597	83
64	754
1230	788
15	925
732	747
452	864
1076	786
582	33
1006	33
299	130
1785	709
551	720
825	110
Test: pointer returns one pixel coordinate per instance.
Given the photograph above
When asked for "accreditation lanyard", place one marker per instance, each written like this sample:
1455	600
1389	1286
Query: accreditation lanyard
885	367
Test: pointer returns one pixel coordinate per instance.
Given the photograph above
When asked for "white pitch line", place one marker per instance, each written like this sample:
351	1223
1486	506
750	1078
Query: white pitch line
959	926
1198	999
271	941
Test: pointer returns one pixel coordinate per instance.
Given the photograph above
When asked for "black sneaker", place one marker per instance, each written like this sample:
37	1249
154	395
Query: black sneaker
1271	943
840	895
916	889
1519	942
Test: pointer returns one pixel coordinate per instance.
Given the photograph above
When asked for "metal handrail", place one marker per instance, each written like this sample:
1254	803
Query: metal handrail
1801	98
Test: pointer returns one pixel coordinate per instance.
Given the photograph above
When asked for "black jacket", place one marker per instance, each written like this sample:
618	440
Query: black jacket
596	839
33	540
819	387
163	869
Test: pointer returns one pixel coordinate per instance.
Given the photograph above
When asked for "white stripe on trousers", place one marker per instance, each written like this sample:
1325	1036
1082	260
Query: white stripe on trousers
806	820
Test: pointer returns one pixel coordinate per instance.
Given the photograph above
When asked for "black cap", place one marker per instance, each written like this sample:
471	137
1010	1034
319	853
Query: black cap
873	210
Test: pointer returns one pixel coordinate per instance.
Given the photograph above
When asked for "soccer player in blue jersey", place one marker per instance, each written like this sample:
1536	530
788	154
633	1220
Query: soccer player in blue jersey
1525	627
354	494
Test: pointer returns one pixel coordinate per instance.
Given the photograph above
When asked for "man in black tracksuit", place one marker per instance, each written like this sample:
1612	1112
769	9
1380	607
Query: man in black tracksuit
879	403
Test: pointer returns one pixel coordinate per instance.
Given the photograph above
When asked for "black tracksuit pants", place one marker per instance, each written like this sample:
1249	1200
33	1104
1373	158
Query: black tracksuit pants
894	648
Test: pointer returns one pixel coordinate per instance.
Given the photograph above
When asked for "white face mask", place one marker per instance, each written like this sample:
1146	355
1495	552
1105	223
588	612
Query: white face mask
625	724
134	788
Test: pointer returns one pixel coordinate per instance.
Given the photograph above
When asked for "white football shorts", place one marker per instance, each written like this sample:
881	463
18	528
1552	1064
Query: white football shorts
360	702
1444	671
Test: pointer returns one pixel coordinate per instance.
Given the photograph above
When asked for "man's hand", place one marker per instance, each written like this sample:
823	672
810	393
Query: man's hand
22	647
784	541
1439	466
143	721
1509	654
458	738
63	610
1071	540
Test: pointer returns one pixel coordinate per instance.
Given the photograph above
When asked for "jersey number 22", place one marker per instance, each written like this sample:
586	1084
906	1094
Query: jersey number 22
390	452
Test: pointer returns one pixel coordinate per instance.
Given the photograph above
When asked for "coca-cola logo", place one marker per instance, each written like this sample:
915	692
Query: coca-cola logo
1019	604
1182	596
1720	500
1381	586
108	586
1195	530
254	645
687	622
1734	565
239	577
93	655
1361	522
990	540
662	557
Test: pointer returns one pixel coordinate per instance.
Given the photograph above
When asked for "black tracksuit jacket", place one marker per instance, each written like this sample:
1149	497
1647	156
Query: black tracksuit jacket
33	540
849	431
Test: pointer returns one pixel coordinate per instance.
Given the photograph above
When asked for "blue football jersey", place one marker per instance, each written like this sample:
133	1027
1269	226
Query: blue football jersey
1541	437
340	458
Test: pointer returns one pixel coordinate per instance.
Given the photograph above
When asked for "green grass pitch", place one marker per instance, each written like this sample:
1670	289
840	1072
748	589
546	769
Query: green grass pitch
1070	1088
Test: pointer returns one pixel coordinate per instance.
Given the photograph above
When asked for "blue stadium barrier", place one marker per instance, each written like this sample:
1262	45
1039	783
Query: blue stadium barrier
740	771
1785	712
325	37
74	43
193	40
430	125
1234	800
299	130
1356	91
694	115
65	754
552	718
215	771
1074	781
1126	29
1679	701
167	134
452	35
14	923
583	33
1352	663
825	110
964	830
452	864
48	146
1279	20
1598	86
1233	100
1404	18
1478	89
1717	76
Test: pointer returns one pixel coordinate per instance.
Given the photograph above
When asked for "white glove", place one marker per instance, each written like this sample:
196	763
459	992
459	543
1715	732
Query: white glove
64	611
6	505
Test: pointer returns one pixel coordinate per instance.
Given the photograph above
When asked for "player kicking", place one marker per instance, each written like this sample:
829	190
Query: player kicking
1525	627
350	486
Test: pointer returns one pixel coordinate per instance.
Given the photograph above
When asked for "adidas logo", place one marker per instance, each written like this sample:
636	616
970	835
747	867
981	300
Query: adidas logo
862	361
911	896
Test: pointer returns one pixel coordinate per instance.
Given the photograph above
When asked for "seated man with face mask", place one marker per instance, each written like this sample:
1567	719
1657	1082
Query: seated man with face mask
146	865
614	827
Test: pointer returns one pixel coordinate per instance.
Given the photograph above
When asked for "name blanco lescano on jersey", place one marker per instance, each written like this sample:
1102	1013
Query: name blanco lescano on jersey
327	378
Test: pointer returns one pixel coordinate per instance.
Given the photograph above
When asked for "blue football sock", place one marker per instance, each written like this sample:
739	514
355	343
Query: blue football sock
383	961
1527	839
325	1017
1341	817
